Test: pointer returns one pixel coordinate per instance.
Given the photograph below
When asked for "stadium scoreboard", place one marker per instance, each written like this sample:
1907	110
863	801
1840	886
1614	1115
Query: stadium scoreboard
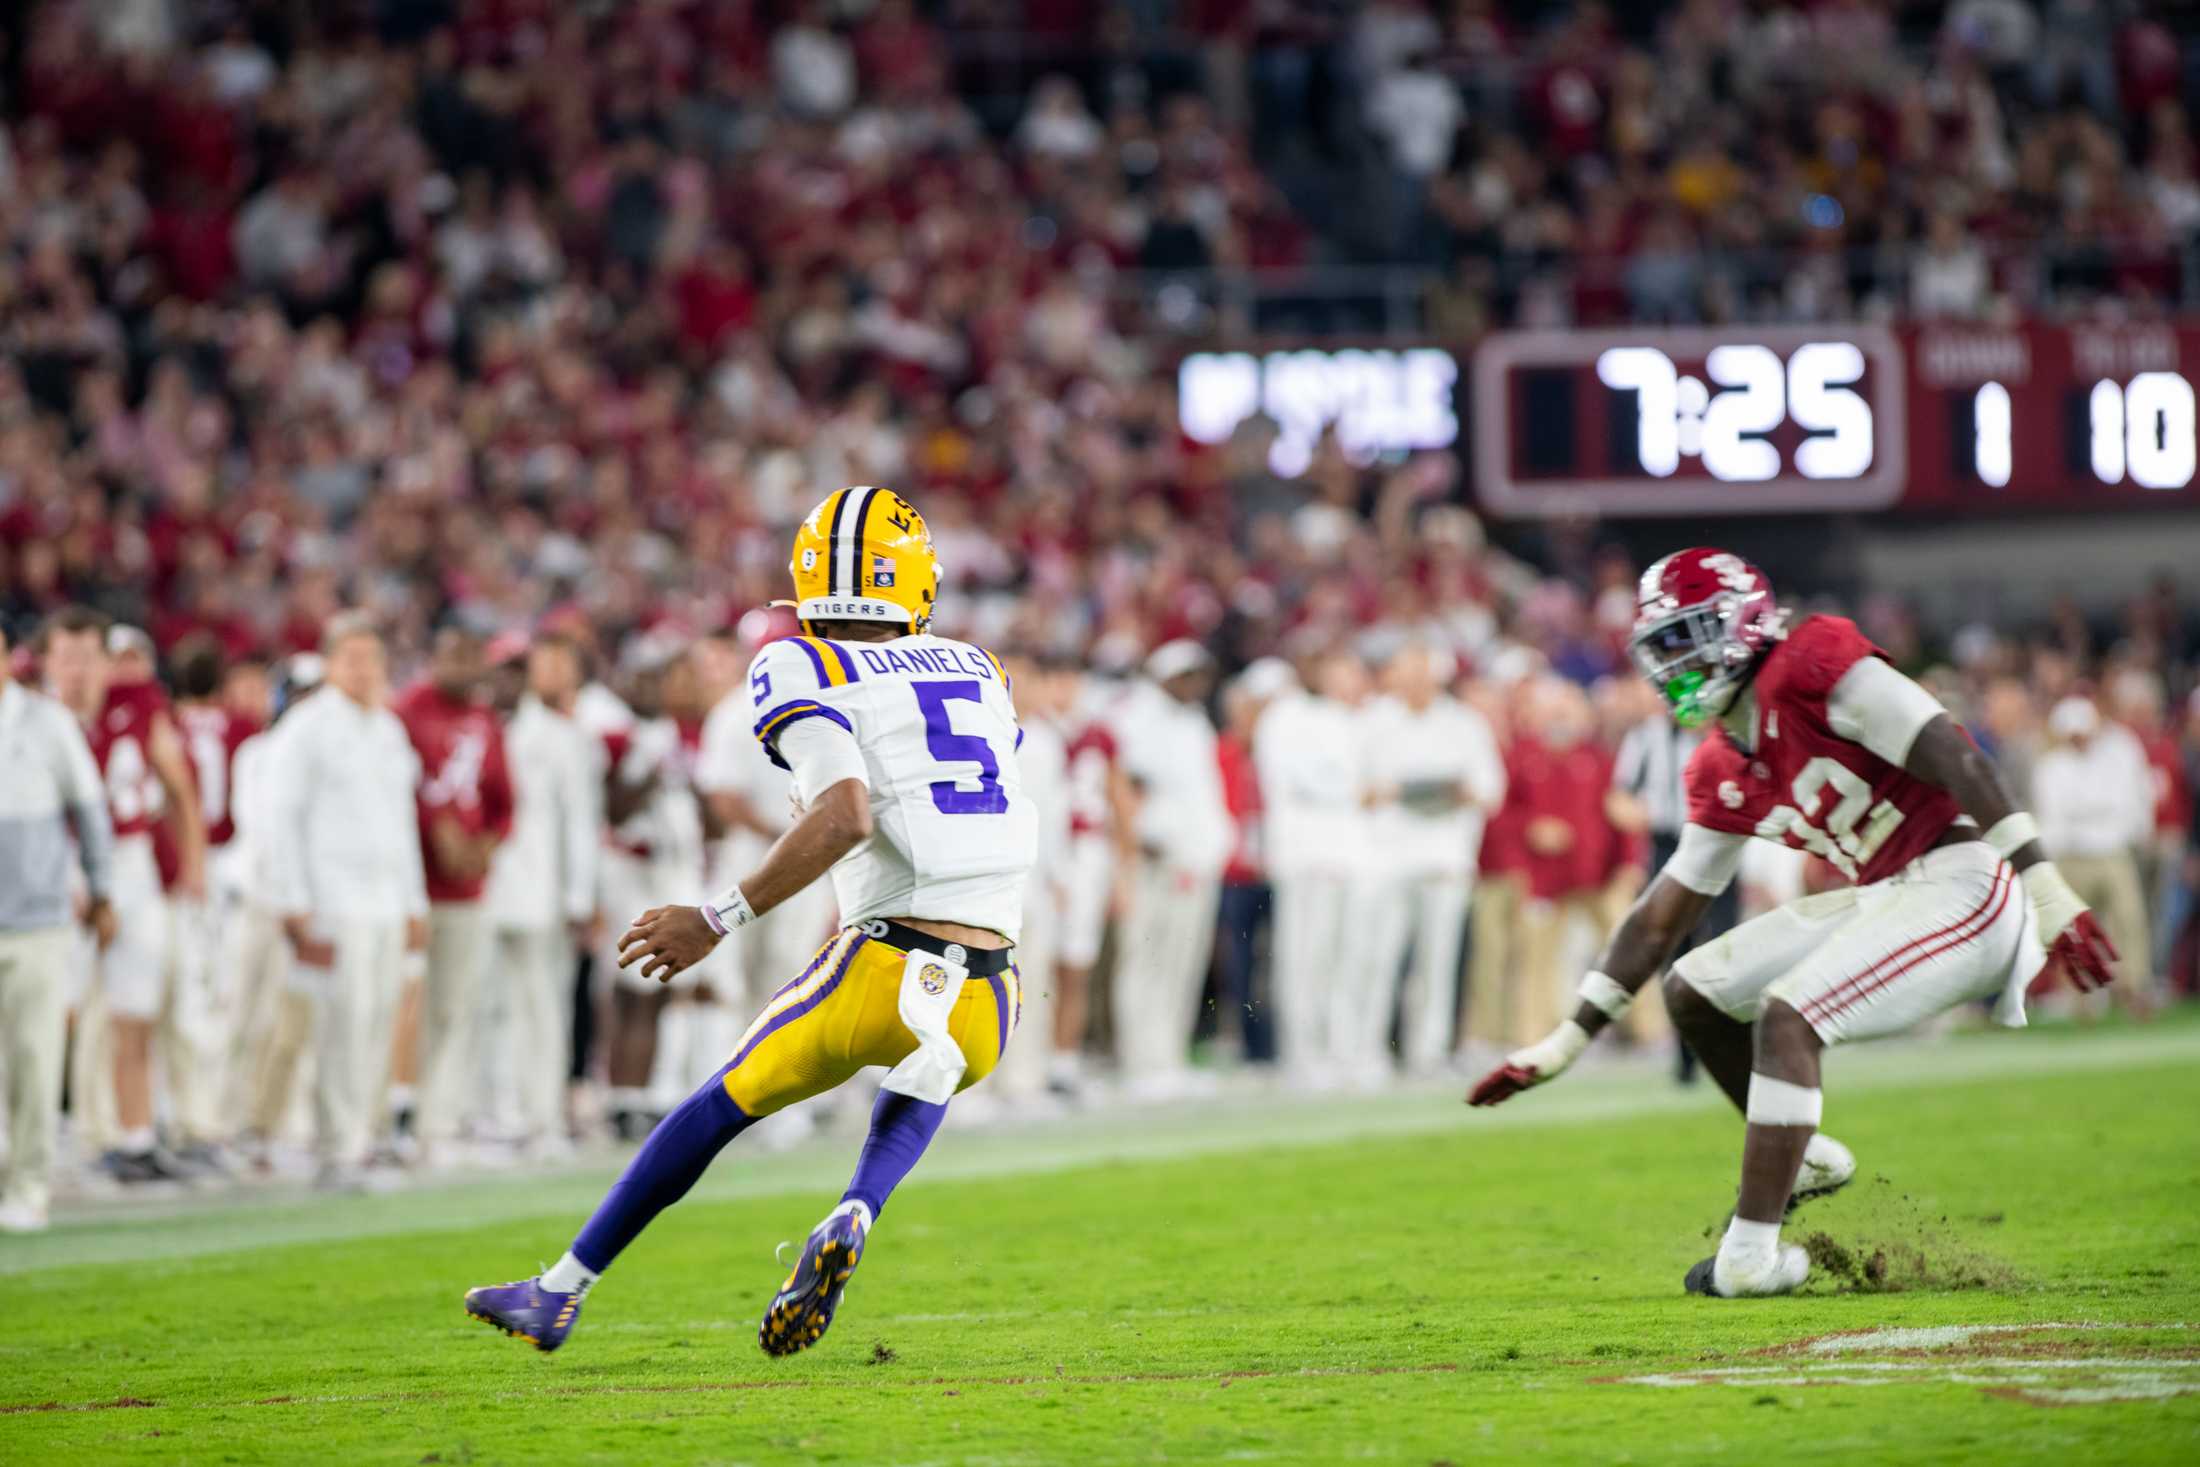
1954	419
1741	420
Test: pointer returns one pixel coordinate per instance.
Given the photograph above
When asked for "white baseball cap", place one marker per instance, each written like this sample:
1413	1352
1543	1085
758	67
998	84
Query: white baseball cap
2074	718
1267	677
1175	658
122	637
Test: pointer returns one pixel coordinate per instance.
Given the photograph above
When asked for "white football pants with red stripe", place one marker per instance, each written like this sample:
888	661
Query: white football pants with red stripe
1950	928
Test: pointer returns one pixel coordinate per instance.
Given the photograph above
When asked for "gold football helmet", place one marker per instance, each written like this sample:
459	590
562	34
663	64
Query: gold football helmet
865	555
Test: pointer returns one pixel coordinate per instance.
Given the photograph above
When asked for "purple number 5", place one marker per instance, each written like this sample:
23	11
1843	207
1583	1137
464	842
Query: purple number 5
950	747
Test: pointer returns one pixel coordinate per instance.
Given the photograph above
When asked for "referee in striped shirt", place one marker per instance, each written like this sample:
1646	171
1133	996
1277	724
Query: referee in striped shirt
1647	797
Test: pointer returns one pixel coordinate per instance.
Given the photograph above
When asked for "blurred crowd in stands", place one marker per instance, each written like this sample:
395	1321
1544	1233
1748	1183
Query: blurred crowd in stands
531	324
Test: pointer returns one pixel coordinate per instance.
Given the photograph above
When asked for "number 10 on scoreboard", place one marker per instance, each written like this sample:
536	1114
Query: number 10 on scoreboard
2141	431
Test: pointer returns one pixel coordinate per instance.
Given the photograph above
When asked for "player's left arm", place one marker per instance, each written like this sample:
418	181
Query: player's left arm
171	763
1906	725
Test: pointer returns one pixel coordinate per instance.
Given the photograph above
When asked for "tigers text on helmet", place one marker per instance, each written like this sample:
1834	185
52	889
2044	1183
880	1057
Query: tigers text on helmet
1702	619
865	555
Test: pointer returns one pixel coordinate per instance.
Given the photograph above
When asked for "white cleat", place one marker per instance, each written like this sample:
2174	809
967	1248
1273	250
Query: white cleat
1828	1166
1718	1278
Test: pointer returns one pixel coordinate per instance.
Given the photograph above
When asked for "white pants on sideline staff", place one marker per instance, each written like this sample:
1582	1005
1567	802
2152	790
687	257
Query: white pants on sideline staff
458	951
274	1027
1166	942
1318	1001
528	1010
134	970
355	1010
1422	917
1088	881
93	1117
192	1039
34	993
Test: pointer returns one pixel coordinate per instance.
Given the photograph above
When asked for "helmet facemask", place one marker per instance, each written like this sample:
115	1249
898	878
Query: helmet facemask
1695	659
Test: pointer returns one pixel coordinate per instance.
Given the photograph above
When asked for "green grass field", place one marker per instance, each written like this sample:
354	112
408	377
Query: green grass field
1282	1279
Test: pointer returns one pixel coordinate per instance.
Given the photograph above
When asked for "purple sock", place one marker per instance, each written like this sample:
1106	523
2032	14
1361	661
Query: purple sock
675	1155
901	1127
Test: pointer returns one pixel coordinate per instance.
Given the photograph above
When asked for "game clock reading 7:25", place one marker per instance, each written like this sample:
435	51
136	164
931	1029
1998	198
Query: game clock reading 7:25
1757	420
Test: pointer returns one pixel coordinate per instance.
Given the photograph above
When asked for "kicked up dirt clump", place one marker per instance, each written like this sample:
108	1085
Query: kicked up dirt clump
1873	1267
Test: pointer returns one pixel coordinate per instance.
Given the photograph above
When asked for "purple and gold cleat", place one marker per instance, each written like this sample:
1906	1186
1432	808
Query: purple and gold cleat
803	1309
526	1311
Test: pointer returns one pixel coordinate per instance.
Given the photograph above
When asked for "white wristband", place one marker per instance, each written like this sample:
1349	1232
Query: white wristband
2054	904
2012	833
1600	992
728	912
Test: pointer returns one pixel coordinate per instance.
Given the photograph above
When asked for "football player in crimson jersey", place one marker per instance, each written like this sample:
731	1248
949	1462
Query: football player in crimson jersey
1819	744
148	777
218	705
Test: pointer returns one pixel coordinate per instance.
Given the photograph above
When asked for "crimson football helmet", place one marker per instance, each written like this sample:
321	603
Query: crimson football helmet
1702	619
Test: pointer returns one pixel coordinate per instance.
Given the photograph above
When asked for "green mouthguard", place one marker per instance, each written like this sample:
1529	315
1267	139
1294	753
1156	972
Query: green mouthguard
1684	693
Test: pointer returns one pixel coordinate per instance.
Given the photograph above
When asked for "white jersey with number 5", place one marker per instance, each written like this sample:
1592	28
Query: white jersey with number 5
954	834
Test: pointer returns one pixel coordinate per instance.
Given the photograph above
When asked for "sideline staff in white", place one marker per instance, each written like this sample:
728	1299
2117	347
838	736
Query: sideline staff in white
541	896
52	789
1307	751
274	1018
1174	848
345	845
1433	774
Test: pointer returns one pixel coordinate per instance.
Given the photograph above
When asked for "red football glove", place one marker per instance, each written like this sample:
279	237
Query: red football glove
1523	1069
2075	942
1502	1084
2085	953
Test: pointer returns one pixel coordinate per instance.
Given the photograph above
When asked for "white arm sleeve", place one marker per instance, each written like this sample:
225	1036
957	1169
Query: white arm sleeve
822	754
1706	859
1880	708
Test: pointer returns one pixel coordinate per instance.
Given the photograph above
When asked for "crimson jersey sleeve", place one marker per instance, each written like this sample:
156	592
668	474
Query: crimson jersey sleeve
1710	782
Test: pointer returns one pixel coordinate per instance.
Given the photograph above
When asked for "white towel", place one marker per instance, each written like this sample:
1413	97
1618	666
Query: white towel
930	985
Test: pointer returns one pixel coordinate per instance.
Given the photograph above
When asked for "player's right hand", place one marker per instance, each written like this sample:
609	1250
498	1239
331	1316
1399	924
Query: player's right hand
667	941
1538	1063
1502	1084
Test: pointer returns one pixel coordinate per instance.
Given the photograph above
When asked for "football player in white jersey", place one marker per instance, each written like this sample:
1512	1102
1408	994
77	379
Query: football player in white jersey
902	746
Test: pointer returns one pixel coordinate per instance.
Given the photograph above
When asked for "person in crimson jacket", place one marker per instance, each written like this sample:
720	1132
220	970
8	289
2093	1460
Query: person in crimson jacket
1570	850
465	806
